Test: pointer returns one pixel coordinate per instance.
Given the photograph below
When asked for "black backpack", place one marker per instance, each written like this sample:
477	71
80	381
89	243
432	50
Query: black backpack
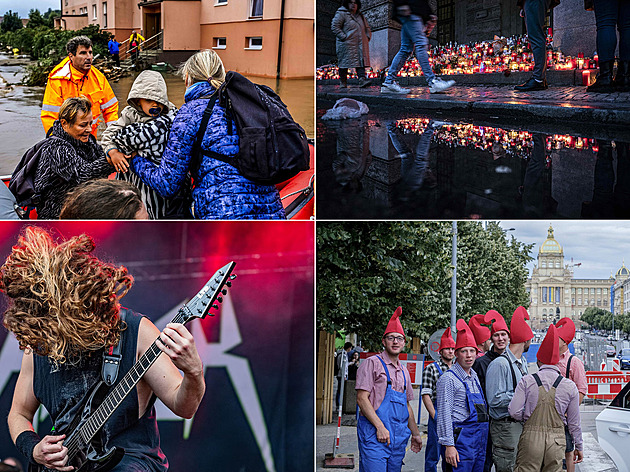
272	146
22	183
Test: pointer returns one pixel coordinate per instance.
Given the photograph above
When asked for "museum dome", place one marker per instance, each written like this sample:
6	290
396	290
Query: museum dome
550	246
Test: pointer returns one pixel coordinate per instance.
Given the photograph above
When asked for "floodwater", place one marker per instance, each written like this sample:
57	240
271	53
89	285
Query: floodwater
20	107
406	166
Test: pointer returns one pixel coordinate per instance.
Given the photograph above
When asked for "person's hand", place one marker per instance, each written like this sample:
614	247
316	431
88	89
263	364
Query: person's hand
178	344
51	453
404	10
416	443
382	434
118	160
578	456
451	455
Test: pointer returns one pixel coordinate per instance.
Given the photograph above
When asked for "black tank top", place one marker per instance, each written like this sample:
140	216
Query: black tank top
61	389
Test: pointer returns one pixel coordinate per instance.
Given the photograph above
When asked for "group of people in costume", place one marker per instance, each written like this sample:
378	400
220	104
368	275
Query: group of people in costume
485	407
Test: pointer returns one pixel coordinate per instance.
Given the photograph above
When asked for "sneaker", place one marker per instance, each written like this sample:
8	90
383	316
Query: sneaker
364	82
393	88
438	124
438	85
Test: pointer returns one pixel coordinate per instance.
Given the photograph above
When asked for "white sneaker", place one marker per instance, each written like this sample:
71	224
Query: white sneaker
393	88
438	85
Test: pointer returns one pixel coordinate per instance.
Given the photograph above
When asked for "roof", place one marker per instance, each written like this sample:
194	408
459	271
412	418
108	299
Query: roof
550	246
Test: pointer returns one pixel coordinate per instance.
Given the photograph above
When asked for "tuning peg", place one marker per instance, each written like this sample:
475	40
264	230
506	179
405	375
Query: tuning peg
199	310
233	276
228	283
217	280
220	299
221	273
216	307
224	292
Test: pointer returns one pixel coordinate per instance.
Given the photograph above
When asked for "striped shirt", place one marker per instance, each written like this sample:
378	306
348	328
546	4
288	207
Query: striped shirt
452	404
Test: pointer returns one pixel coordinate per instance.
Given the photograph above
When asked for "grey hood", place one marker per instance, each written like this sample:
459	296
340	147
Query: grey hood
149	85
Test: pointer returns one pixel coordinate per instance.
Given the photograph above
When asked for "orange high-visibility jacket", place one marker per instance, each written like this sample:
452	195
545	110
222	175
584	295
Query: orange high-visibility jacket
65	81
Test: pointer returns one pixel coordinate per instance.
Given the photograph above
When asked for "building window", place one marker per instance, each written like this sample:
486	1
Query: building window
73	12
66	3
572	291
558	292
605	291
254	42
104	14
219	43
256	10
599	291
579	291
573	301
557	264
220	2
543	264
579	301
94	12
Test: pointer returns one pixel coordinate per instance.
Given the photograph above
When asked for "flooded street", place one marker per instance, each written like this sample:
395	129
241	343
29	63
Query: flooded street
20	107
389	165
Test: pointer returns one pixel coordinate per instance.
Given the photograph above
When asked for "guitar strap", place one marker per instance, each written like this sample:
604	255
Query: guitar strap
112	357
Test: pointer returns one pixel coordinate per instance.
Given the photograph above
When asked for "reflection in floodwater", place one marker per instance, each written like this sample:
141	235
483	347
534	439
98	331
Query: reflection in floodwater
424	168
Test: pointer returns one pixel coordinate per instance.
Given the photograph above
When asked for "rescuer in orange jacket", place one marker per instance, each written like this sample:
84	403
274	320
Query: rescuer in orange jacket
75	76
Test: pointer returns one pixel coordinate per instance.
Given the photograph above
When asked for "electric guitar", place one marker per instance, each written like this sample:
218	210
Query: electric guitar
86	448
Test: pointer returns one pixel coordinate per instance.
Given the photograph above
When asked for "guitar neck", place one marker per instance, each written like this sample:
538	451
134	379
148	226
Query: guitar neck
125	386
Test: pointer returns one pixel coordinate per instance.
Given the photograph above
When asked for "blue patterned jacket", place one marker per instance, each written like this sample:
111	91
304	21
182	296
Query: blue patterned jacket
220	191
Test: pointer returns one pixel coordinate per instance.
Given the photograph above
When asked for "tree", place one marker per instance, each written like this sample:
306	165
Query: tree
35	19
11	22
366	270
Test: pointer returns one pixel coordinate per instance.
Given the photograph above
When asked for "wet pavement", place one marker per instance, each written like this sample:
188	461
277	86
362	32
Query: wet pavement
567	103
433	164
20	106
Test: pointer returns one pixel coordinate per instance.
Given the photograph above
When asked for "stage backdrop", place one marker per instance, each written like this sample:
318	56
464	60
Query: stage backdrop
257	413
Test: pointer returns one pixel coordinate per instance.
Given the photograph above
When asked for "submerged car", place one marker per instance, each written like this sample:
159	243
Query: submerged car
613	429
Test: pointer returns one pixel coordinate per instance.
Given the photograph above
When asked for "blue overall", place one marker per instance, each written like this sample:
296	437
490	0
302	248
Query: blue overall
432	452
472	439
379	457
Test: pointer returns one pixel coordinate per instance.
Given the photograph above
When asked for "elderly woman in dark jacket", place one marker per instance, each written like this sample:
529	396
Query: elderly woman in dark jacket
220	192
353	34
69	157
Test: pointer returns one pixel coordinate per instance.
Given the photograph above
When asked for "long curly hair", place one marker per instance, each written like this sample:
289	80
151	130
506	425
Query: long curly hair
63	301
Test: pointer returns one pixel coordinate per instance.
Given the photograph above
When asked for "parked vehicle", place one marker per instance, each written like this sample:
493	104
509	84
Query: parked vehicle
613	428
624	358
610	351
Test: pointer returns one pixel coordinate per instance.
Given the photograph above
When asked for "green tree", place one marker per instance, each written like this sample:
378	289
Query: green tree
366	270
35	19
11	22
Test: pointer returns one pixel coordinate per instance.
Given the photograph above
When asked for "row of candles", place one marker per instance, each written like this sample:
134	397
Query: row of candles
499	55
516	143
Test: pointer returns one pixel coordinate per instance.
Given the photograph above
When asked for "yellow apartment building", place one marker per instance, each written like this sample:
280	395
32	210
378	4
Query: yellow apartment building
268	38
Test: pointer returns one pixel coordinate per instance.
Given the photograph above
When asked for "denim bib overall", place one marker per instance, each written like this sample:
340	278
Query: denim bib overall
432	451
379	457
471	440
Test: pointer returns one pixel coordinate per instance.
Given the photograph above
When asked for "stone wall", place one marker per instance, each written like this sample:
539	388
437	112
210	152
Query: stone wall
574	28
479	20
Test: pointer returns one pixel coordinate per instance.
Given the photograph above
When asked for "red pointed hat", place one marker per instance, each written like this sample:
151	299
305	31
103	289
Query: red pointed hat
548	352
498	323
465	337
566	329
481	333
520	331
394	325
446	340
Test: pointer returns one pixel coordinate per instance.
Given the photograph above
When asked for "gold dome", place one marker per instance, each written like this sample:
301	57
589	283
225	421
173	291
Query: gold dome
550	246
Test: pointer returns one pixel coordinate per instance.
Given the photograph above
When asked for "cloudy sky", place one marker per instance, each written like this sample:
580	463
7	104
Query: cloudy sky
23	7
601	246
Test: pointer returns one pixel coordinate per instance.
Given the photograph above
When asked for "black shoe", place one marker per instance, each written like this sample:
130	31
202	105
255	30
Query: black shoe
604	81
532	85
622	78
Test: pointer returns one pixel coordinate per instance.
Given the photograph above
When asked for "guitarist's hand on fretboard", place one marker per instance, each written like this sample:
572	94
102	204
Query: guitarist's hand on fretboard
178	344
51	453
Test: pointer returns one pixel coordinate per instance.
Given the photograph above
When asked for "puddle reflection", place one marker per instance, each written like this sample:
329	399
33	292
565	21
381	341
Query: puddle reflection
422	168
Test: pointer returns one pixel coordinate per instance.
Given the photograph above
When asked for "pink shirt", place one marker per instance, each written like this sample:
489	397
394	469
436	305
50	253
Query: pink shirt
567	402
372	378
576	372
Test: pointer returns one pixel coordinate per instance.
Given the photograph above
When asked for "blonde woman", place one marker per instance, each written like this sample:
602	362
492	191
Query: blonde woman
220	191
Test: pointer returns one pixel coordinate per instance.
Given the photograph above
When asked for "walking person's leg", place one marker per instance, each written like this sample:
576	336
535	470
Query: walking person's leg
606	12
343	77
535	11
406	48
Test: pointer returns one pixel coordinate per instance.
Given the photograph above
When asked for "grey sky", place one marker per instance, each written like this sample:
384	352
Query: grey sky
601	246
24	7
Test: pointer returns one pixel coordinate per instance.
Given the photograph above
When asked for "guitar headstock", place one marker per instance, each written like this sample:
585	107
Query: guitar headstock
200	305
